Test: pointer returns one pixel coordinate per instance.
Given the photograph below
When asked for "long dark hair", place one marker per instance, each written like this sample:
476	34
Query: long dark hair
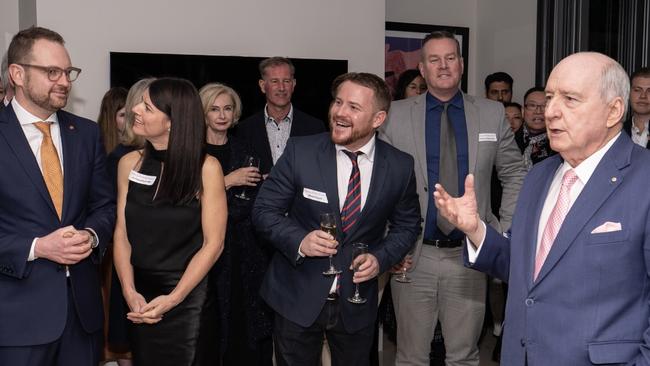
403	82
179	100
113	101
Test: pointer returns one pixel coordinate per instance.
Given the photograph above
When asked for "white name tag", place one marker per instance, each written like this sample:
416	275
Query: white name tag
313	195
487	137
140	178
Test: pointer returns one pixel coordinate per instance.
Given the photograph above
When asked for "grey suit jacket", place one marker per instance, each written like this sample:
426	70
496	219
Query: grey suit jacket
490	143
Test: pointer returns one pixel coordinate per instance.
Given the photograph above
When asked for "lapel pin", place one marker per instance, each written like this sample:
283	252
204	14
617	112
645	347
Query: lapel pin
614	179
71	127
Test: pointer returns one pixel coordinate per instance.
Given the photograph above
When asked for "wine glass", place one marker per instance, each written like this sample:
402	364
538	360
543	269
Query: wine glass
357	250
402	277
249	161
328	225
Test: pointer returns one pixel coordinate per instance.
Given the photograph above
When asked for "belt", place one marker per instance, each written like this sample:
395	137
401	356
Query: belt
444	243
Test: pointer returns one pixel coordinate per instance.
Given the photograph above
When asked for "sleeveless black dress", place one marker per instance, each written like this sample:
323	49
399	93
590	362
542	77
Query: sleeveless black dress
163	238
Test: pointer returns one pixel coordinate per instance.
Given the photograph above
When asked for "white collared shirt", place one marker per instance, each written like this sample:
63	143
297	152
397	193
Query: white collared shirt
584	170
344	168
278	132
34	135
639	137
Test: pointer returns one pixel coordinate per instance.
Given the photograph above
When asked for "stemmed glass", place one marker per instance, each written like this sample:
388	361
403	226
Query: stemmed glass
402	277
357	250
328	225
249	161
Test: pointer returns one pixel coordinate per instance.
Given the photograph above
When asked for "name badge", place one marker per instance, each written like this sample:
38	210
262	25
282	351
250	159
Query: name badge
140	178
313	195
492	137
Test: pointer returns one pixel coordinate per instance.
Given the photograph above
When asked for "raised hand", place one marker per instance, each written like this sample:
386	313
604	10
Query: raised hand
462	212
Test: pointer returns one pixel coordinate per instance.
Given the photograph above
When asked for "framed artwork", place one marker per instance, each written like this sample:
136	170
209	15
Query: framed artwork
403	43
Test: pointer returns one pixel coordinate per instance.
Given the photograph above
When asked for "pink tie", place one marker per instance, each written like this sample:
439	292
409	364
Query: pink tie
555	220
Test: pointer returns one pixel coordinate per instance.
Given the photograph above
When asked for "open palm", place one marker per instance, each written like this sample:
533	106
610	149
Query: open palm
462	211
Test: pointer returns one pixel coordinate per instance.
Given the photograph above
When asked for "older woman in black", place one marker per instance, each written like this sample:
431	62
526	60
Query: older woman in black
245	320
170	228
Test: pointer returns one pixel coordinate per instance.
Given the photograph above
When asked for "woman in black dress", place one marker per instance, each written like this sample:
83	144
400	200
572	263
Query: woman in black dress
118	344
170	228
245	320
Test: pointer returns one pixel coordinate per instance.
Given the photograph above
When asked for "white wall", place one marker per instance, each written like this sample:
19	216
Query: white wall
8	23
333	29
502	34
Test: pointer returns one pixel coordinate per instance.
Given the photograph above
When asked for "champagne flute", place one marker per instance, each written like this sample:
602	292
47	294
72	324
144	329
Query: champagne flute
403	278
357	250
328	225
249	161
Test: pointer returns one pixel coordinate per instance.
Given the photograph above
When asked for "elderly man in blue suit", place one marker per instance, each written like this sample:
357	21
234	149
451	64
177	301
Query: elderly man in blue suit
56	213
366	184
578	258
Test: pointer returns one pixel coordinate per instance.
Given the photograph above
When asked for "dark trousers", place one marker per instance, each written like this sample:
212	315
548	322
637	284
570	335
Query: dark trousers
74	347
298	346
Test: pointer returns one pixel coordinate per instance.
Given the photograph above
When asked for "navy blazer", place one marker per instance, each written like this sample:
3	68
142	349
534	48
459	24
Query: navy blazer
591	301
253	131
296	288
34	300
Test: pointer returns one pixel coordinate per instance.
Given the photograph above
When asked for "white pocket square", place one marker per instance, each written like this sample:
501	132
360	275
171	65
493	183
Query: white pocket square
607	227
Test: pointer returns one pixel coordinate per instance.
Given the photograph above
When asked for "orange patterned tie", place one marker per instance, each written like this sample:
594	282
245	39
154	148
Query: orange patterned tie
51	166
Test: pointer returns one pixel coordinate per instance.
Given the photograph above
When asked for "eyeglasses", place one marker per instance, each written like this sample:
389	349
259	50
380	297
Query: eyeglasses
54	73
532	107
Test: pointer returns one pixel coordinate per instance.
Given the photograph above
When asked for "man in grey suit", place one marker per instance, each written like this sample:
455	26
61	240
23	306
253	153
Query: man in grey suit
450	134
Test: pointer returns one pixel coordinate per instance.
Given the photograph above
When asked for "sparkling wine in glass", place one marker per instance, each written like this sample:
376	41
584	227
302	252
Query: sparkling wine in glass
328	225
249	161
402	277
357	250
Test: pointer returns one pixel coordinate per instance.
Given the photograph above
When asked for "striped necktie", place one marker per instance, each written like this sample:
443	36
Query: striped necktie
352	206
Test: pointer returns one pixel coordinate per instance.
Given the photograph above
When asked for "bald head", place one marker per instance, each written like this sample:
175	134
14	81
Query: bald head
586	98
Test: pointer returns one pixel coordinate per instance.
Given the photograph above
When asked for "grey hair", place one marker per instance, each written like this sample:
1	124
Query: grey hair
614	82
4	73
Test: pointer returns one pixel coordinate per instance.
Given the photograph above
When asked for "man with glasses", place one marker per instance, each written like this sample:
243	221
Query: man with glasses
531	137
57	212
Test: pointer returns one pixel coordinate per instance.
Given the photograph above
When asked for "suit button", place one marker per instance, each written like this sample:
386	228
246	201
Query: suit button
529	302
522	342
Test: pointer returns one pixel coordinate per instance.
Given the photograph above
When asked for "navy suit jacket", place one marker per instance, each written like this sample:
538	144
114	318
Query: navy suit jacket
34	300
295	287
591	301
253	131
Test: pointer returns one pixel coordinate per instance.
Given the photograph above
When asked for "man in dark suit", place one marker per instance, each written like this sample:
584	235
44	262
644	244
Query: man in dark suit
578	259
56	216
371	184
636	126
268	130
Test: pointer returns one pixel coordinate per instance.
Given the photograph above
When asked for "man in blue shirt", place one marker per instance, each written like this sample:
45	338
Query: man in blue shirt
450	134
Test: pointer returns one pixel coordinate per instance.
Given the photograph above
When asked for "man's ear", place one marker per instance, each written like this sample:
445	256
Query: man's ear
261	83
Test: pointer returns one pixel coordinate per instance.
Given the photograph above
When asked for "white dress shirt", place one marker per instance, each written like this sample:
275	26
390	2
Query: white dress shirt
639	137
584	170
34	139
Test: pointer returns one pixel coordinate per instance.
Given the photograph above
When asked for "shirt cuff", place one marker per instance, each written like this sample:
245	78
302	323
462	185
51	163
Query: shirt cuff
32	256
474	251
93	233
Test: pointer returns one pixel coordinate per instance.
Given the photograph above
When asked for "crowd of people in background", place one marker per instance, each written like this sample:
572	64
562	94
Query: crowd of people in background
214	243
